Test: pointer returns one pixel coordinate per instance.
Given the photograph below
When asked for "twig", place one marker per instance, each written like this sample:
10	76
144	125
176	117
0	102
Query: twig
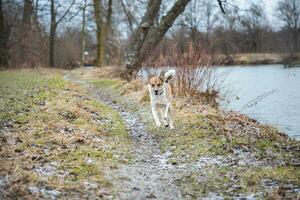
257	99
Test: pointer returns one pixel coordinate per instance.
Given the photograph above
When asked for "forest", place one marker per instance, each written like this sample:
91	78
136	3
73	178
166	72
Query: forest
72	33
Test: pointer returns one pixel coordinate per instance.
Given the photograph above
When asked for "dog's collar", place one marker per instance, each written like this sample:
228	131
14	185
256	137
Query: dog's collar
161	92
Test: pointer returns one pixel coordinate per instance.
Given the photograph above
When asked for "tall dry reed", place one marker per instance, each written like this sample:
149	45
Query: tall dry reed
196	72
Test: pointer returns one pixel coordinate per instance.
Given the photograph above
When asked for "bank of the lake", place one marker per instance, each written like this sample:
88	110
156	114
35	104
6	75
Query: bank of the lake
267	93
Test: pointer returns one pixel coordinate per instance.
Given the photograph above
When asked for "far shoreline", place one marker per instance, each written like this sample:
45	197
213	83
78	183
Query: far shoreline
242	59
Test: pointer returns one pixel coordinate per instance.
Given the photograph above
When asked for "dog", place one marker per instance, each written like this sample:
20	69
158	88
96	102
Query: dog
161	97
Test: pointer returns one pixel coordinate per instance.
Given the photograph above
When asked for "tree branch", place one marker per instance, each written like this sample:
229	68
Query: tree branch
221	5
67	11
168	20
128	16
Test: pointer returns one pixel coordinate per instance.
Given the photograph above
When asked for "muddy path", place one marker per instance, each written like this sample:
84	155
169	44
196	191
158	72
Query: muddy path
150	176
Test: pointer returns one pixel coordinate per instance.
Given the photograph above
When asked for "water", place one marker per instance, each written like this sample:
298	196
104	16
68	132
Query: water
267	93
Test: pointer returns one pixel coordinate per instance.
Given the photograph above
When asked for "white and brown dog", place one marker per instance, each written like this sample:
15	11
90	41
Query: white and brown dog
161	97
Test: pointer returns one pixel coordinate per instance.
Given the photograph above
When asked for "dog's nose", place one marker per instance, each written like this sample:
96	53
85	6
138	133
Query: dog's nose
156	91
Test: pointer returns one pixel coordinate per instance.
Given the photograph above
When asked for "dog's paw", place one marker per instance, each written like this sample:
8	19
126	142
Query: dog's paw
158	125
171	127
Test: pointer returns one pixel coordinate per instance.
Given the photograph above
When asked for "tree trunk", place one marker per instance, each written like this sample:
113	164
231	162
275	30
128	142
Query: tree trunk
53	26
26	41
36	10
107	32
108	17
147	36
296	26
132	57
83	34
27	13
4	36
52	35
100	32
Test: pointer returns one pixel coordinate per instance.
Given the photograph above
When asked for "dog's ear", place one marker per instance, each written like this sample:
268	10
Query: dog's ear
162	76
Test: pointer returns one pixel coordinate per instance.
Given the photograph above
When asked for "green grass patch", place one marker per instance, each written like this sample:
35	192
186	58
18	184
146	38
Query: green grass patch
283	174
21	91
104	83
115	123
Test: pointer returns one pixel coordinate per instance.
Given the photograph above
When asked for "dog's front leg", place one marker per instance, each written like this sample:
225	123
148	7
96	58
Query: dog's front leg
168	115
154	113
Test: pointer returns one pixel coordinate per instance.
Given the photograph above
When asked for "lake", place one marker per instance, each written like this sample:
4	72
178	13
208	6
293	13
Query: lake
267	93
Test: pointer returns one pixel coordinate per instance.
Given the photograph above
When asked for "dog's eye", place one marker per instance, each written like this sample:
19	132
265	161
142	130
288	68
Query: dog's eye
158	85
152	85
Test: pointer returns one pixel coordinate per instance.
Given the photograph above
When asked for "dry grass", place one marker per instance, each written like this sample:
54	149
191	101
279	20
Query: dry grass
53	136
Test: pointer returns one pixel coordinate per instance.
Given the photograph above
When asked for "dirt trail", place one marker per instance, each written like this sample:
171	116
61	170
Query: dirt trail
150	176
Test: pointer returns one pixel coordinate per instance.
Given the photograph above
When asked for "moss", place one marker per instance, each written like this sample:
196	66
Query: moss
118	126
264	144
227	181
283	174
239	141
104	83
21	91
201	184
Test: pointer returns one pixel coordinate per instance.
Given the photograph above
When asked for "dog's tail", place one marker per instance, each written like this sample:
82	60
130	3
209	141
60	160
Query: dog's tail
169	75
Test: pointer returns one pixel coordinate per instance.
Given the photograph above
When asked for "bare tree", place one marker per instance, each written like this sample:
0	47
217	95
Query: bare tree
53	27
150	32
254	22
289	14
201	16
103	26
36	6
83	32
28	13
146	36
4	35
99	33
129	17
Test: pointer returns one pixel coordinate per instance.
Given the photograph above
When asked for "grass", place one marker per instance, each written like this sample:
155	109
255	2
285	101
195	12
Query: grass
21	92
105	83
240	181
51	123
